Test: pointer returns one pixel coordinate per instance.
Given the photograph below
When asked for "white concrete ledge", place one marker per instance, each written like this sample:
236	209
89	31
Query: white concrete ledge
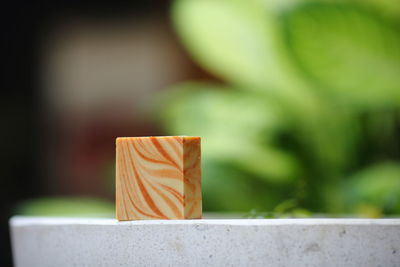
239	242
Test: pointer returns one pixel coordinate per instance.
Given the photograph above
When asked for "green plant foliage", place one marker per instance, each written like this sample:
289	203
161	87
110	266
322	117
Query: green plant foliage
222	183
225	37
233	39
224	117
310	108
66	207
377	186
344	48
387	8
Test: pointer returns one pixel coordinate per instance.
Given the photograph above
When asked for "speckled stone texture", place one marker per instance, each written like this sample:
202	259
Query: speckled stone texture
273	242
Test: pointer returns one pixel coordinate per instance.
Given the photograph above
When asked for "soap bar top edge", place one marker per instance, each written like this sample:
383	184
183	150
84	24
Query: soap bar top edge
120	139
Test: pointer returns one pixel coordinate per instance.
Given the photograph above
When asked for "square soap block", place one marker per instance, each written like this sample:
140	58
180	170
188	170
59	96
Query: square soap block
158	178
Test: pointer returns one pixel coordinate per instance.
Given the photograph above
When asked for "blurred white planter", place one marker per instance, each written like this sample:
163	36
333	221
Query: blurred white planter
273	242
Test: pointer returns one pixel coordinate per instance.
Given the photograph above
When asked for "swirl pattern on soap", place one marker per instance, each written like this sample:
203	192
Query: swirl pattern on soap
155	175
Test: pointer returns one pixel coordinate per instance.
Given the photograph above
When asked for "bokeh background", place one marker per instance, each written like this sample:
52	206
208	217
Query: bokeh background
297	102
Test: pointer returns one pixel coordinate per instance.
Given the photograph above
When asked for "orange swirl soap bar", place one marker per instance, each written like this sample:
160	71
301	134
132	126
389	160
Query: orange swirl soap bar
158	178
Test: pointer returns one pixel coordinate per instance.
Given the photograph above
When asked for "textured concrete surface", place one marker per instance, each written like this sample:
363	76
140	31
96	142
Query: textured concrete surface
255	242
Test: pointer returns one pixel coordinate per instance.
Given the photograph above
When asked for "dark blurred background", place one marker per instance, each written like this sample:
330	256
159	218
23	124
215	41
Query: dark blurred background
76	75
297	103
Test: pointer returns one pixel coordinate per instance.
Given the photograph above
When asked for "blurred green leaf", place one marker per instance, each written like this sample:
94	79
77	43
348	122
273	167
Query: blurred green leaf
233	39
216	41
306	78
376	186
241	42
66	206
388	8
235	126
347	49
227	37
227	188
